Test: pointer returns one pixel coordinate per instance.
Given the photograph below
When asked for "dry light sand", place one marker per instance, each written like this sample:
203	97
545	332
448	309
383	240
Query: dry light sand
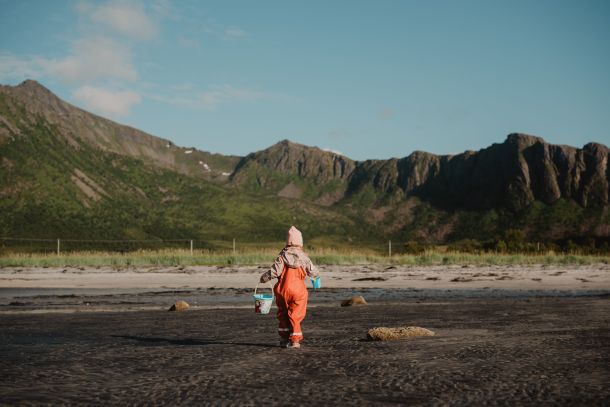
360	276
503	336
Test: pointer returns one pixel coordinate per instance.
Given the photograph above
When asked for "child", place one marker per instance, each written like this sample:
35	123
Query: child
290	268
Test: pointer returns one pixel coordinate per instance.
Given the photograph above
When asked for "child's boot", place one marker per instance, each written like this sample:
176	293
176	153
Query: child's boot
293	345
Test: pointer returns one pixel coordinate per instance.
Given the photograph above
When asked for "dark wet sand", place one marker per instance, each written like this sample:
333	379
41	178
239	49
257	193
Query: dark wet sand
488	351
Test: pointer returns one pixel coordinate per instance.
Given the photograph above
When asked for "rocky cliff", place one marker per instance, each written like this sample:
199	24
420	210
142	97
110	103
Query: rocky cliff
511	175
293	171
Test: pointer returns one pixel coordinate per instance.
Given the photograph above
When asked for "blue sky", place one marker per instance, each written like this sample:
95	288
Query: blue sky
368	79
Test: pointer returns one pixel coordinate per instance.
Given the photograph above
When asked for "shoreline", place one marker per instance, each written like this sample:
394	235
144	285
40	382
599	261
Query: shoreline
81	289
341	276
245	305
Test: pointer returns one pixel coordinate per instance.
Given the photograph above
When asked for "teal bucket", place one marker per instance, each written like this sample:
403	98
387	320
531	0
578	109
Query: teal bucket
262	302
316	282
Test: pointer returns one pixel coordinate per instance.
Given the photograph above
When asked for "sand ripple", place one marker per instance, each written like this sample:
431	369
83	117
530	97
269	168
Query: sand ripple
490	351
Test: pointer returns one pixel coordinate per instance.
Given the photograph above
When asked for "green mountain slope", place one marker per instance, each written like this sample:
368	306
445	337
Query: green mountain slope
67	173
81	127
51	186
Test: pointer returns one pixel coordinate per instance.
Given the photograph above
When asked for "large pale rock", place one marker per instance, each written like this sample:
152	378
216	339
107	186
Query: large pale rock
179	306
355	300
388	334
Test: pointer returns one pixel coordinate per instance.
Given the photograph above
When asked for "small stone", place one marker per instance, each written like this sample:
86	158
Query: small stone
179	306
355	300
388	334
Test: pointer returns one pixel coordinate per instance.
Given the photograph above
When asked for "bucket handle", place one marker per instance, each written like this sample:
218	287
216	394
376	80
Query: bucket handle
272	293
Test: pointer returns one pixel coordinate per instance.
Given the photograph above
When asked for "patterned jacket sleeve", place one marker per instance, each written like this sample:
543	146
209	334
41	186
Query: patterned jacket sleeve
274	271
311	269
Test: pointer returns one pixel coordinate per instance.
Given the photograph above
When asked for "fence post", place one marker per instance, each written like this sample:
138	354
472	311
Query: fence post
389	248
233	246
191	247
58	247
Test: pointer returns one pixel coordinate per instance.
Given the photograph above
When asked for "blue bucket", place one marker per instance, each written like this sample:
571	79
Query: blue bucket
316	282
262	302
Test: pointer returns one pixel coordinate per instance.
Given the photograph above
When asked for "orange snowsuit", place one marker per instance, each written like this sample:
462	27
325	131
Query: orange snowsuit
290	268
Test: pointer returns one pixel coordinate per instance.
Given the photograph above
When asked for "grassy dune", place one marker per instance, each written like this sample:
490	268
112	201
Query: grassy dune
260	256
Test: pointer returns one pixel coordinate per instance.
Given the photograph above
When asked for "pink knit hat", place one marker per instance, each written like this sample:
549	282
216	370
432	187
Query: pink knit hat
295	238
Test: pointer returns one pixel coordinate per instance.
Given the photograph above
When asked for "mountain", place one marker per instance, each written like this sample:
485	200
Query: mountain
296	171
70	174
548	192
79	127
511	175
66	172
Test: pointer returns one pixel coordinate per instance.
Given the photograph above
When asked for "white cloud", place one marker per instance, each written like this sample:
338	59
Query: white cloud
223	94
186	42
183	87
125	18
106	102
212	98
234	32
226	32
165	9
91	59
94	58
20	68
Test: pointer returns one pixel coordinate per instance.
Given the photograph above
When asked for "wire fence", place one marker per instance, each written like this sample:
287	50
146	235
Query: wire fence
58	246
229	246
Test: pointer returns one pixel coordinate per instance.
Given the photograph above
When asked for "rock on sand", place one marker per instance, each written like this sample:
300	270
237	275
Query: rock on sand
355	300
179	306
388	334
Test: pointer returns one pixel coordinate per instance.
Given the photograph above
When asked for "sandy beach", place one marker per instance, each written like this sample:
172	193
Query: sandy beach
72	288
504	336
